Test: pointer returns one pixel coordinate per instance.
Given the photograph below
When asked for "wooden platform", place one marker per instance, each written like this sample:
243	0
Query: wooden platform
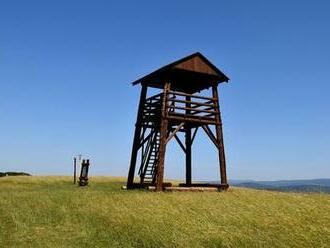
188	189
194	187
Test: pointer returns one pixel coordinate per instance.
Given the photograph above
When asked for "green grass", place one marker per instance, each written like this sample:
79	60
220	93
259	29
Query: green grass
52	212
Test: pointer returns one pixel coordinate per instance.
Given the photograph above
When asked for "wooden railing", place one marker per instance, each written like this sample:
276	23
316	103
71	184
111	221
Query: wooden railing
182	106
193	107
152	107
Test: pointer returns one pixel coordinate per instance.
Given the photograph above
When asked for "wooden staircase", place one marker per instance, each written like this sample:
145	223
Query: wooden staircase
149	159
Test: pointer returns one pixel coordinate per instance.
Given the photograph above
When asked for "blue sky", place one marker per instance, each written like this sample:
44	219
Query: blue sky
66	68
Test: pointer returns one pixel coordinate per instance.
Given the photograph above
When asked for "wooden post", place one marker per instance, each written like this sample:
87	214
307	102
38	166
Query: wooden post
219	134
74	170
188	144
163	137
136	141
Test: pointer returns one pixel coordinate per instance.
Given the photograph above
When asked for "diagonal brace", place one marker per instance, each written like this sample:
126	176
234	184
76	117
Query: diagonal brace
174	132
180	143
194	135
208	131
146	138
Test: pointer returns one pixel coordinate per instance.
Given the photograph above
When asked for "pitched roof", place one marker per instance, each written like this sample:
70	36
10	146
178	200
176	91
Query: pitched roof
190	74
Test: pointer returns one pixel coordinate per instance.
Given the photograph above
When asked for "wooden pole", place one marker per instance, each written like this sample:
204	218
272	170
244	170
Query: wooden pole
219	134
163	138
188	144
74	170
136	141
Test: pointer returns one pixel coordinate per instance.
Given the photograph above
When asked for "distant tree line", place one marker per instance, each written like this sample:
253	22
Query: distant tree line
13	173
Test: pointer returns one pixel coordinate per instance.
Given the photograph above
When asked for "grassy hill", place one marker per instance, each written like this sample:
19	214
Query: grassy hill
52	212
309	185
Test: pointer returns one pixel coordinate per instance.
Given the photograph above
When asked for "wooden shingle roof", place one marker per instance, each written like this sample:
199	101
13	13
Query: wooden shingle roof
189	74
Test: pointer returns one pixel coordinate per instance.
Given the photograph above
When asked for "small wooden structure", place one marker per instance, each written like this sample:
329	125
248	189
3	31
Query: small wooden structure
83	179
178	108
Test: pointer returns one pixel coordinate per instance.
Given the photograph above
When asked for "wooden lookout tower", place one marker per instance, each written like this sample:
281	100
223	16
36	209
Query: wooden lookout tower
178	108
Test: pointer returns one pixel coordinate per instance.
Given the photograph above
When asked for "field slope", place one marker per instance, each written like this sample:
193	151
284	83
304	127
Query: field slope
51	212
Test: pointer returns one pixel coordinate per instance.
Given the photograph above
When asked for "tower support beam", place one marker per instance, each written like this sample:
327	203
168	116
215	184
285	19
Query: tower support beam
219	134
163	138
136	141
188	140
